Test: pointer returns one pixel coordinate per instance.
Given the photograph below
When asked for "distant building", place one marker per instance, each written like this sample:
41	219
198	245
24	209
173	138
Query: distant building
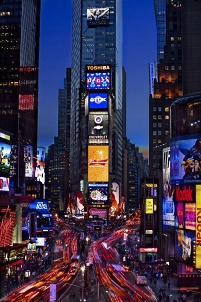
57	162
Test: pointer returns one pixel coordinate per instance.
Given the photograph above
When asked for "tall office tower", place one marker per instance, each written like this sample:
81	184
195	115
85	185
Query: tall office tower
167	80
19	61
58	154
97	40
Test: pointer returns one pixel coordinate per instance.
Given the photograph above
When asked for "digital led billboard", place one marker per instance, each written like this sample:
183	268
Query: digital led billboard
115	198
98	163
98	125
185	161
98	77
40	166
80	202
98	16
4	159
184	246
97	193
98	100
4	184
98	80
26	102
28	159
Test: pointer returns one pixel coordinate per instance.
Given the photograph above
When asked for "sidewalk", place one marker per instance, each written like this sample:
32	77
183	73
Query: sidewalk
172	292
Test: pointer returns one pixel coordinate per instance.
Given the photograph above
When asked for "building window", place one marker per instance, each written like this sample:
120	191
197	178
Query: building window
159	125
154	109
172	38
159	117
172	67
167	109
159	132
167	117
159	108
159	141
166	67
154	132
154	117
154	125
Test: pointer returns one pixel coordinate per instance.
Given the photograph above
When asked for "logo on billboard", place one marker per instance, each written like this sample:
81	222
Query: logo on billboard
184	195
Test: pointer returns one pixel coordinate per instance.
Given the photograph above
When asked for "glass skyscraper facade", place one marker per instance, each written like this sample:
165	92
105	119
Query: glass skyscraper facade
92	45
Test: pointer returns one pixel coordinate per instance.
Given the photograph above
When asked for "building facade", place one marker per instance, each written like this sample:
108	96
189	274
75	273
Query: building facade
19	62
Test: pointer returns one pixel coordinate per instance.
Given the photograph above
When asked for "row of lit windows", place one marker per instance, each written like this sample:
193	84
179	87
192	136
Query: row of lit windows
159	109
2	14
178	38
159	117
159	133
9	84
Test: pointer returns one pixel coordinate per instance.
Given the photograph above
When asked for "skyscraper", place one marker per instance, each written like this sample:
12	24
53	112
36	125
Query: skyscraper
19	61
97	40
168	84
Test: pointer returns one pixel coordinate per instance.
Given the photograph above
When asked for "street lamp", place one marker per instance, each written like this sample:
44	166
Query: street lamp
82	270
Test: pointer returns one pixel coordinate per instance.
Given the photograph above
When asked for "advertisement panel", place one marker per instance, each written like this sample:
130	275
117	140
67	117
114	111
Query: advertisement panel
79	202
168	192
41	205
4	159
190	216
13	160
40	165
101	213
198	228
98	125
98	163
98	77
149	206
185	160
184	246
98	16
7	224
97	193
98	101
28	159
4	184
115	198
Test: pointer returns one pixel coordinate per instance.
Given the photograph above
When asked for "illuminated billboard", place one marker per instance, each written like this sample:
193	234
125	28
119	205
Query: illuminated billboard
115	198
100	213
98	77
4	159
98	163
79	202
198	228
7	224
184	246
98	125
190	215
185	161
40	166
98	100
28	159
4	184
98	16
26	102
97	193
149	206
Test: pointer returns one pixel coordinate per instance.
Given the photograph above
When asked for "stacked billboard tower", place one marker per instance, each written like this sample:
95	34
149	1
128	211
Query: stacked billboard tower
98	84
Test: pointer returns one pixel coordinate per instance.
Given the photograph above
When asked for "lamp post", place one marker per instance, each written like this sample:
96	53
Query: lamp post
83	270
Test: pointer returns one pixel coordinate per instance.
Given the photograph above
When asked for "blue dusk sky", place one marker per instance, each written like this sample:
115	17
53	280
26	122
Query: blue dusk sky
139	49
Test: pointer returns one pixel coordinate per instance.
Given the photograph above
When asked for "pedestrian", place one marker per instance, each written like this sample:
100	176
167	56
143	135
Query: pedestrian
155	282
168	285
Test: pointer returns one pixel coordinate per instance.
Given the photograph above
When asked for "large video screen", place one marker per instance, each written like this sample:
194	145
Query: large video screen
97	193
4	159
184	246
185	161
98	163
28	159
98	16
98	80
98	100
98	125
4	184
